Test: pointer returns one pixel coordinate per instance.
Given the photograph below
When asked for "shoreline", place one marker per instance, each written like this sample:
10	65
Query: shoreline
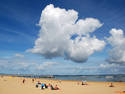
45	78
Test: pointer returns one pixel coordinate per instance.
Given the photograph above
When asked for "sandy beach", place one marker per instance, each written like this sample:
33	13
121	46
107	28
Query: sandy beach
14	85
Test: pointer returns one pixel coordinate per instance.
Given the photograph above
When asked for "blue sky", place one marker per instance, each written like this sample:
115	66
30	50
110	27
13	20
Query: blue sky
19	30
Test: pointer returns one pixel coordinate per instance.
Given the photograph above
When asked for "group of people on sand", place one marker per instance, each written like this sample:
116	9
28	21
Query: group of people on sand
85	83
45	86
51	87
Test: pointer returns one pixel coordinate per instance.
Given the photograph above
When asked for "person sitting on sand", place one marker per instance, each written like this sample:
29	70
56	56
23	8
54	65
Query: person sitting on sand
42	86
46	86
56	87
39	82
84	83
37	85
111	85
51	87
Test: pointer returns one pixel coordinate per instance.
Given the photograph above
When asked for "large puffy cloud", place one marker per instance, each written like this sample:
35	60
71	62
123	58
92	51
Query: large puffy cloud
117	41
55	36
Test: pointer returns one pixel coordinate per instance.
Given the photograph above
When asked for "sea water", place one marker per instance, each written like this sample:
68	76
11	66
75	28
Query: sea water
113	78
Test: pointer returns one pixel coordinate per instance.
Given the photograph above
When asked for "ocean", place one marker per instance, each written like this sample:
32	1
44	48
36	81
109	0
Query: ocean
114	78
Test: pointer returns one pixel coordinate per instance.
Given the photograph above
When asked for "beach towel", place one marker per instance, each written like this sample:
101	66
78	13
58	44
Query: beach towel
118	91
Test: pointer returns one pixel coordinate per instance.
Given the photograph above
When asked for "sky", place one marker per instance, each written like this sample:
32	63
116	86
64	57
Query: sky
62	37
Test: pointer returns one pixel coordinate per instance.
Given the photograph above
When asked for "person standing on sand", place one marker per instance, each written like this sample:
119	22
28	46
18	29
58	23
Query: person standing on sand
23	81
33	80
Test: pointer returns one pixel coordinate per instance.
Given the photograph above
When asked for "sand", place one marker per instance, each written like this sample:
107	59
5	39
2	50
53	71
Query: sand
14	85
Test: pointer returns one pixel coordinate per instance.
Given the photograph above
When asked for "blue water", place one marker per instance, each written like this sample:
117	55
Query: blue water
113	78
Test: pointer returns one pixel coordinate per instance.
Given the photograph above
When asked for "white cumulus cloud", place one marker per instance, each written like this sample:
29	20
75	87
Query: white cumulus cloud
19	55
46	65
117	41
58	26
